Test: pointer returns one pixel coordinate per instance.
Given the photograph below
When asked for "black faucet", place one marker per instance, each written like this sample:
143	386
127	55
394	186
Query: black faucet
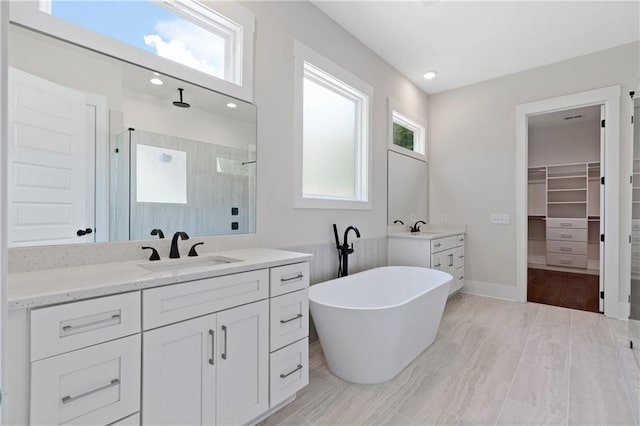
398	221
344	249
174	253
416	226
158	232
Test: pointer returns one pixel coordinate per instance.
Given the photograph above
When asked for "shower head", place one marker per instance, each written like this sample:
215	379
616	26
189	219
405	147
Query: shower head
181	103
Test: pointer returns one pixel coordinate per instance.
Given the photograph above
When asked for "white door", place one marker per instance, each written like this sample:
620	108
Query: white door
602	217
50	175
243	363
179	373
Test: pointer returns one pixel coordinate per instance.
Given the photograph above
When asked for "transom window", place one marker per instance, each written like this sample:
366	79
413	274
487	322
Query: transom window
407	133
333	136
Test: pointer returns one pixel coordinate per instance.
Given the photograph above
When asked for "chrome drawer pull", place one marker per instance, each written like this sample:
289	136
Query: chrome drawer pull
565	249
451	260
437	245
565	224
565	235
438	265
566	262
224	353
284	376
213	348
291	319
67	399
460	239
89	324
297	277
461	278
461	256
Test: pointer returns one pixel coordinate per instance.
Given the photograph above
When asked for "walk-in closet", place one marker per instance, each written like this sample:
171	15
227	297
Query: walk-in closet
564	209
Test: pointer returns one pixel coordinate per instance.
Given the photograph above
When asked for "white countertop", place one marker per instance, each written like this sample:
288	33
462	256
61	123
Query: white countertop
46	287
428	234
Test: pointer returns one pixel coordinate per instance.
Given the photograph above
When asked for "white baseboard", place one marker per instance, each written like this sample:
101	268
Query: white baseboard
497	291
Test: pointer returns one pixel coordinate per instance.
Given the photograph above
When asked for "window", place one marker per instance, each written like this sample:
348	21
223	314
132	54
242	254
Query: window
407	135
161	175
182	38
332	134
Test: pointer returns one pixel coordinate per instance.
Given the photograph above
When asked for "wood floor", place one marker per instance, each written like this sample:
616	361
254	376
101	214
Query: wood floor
565	289
493	362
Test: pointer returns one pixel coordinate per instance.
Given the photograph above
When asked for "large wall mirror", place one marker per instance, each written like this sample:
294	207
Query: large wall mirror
406	188
104	150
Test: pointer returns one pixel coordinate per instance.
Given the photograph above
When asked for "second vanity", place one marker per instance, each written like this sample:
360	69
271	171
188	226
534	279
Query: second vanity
154	344
437	249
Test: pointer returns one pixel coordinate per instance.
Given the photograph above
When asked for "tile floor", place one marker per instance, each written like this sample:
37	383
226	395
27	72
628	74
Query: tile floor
493	362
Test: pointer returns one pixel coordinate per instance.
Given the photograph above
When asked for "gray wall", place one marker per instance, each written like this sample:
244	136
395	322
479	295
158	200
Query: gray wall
472	134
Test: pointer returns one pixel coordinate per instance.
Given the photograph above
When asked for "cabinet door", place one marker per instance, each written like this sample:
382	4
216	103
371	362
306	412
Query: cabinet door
179	373
242	363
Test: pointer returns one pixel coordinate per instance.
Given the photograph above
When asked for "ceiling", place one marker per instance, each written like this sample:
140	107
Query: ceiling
566	117
468	42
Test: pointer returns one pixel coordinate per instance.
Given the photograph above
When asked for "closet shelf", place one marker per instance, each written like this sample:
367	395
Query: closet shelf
565	190
567	177
566	202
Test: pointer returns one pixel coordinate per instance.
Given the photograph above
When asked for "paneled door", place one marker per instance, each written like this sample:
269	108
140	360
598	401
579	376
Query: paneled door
179	373
243	363
51	169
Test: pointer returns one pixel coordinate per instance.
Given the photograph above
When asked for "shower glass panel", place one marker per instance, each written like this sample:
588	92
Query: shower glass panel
634	321
177	184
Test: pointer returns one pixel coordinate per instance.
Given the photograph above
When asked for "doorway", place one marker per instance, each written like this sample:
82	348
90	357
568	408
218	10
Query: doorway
610	249
564	190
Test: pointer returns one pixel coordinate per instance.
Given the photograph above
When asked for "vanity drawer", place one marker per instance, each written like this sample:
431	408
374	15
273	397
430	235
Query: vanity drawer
63	328
95	385
444	261
440	244
570	247
566	234
566	223
289	318
173	303
288	278
568	260
289	371
457	282
460	238
133	420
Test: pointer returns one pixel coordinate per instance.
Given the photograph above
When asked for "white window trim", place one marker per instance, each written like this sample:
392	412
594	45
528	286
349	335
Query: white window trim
231	15
304	54
414	122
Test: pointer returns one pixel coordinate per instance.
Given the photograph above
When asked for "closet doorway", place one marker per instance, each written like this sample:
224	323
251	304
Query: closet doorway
565	213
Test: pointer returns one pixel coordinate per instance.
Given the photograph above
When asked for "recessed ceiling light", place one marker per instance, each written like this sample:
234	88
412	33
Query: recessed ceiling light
231	105
430	75
156	81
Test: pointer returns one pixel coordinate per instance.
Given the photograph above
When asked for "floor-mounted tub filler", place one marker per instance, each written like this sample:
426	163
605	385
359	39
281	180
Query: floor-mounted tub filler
374	323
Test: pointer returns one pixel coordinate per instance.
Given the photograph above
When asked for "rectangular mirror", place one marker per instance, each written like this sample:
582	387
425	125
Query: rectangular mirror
104	150
406	189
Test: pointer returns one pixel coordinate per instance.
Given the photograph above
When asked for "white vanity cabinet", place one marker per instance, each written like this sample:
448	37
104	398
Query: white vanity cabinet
224	350
444	253
208	370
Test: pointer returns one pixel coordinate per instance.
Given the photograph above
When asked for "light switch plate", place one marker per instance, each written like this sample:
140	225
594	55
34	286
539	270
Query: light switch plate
499	218
444	218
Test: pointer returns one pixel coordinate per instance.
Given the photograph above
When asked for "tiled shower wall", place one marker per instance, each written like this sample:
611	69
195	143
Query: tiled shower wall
368	253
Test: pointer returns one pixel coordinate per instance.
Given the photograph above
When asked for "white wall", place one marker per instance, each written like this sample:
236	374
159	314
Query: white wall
277	25
567	143
472	135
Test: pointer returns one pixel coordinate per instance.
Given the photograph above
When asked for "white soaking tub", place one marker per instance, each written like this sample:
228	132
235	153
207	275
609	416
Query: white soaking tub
374	323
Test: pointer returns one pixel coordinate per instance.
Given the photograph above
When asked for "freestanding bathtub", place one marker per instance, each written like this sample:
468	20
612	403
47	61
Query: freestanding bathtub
374	323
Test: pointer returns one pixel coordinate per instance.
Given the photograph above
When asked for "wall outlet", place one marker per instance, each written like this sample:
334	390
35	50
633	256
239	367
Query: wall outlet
444	218
499	218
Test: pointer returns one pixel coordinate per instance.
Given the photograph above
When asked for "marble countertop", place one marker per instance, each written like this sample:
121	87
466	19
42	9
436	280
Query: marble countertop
46	287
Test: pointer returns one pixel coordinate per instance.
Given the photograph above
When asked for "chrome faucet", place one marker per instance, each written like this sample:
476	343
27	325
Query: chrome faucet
175	253
416	226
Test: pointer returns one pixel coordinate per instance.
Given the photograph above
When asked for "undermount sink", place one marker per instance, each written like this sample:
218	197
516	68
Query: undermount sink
430	232
179	264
